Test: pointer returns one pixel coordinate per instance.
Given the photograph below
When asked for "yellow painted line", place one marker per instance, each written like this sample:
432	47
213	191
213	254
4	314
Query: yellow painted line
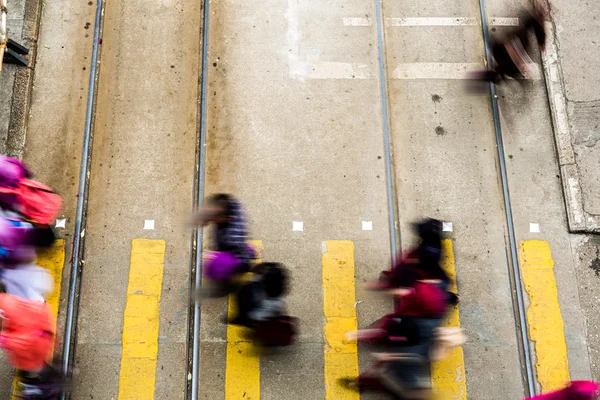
546	327
141	320
53	259
341	358
242	373
448	375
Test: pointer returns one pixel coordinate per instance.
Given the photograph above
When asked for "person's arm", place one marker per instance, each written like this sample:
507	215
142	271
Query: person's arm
203	216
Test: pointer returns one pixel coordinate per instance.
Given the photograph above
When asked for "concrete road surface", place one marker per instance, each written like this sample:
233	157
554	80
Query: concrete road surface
296	129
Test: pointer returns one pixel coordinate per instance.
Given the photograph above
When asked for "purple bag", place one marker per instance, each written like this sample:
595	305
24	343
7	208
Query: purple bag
223	266
12	171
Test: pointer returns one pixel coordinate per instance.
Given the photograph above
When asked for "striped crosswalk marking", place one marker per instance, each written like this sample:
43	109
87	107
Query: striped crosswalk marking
546	327
141	320
52	259
242	374
448	375
341	358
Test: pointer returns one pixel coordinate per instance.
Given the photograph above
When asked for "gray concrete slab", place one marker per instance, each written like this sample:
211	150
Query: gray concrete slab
294	148
453	177
97	370
444	154
574	102
292	371
142	168
587	265
536	195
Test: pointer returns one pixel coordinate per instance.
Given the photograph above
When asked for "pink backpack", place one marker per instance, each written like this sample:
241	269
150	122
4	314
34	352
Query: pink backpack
34	200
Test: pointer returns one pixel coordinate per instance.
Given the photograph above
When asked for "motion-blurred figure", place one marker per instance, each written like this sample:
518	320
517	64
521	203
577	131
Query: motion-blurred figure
260	306
27	337
409	339
419	263
511	54
232	254
577	390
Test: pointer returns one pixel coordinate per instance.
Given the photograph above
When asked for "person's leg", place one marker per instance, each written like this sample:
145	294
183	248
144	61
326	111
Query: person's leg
245	301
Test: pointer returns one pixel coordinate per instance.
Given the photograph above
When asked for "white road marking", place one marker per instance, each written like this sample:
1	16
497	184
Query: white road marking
297	226
148	224
367	225
534	228
447	227
357	21
338	70
503	21
459	21
434	70
297	68
425	21
438	70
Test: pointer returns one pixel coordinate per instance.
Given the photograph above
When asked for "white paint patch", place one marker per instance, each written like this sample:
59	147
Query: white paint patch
354	21
296	68
367	225
323	247
435	70
534	228
297	226
339	70
503	21
450	21
447	227
61	223
148	224
432	21
451	71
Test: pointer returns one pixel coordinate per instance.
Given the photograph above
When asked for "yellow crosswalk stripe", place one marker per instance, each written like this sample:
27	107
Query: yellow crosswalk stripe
242	373
53	259
448	375
341	358
141	320
546	327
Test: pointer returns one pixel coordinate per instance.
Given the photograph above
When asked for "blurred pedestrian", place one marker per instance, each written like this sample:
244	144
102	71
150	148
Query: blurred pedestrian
260	306
511	53
232	254
27	337
577	390
409	339
419	263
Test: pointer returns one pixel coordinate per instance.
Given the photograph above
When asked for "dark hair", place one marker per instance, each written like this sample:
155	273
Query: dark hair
430	232
43	236
275	279
224	200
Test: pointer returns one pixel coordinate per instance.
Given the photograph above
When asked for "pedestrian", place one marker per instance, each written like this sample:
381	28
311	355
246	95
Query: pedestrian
576	390
420	263
410	339
260	306
232	254
27	337
511	54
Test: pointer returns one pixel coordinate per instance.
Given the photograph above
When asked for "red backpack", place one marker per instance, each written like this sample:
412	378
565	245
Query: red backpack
34	200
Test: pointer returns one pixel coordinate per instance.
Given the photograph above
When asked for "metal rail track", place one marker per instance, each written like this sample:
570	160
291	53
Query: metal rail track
77	259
